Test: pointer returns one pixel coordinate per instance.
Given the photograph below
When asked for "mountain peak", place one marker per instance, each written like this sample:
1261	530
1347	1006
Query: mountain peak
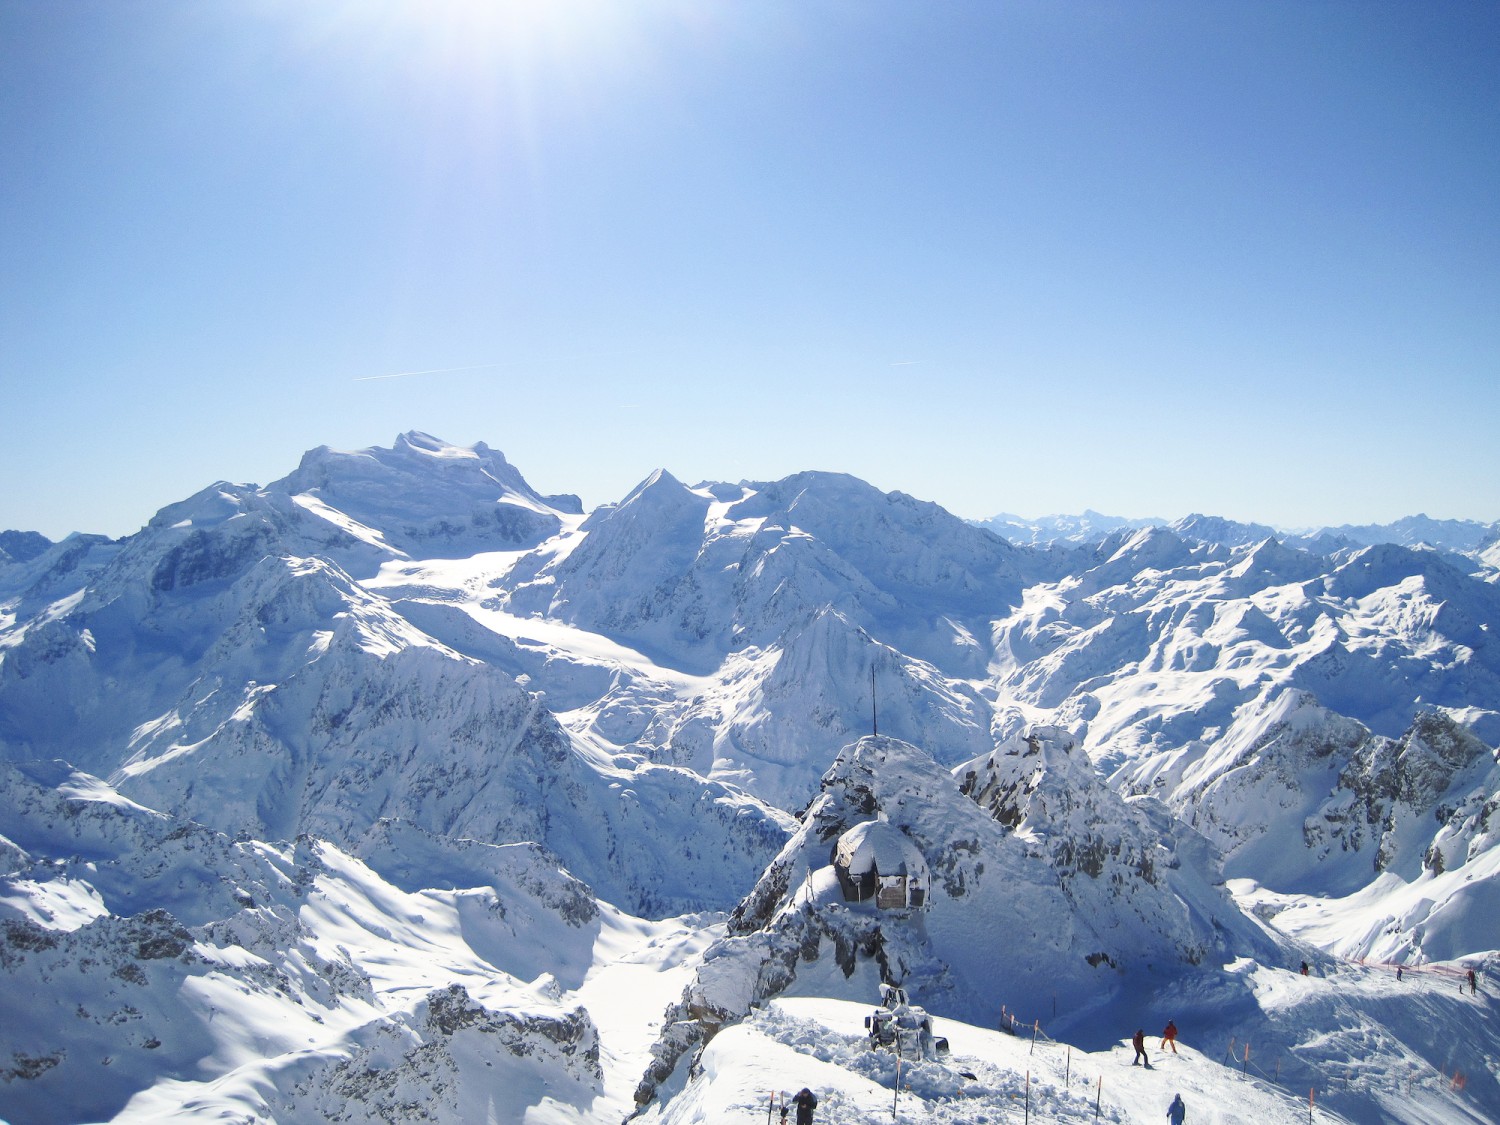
659	481
424	496
415	441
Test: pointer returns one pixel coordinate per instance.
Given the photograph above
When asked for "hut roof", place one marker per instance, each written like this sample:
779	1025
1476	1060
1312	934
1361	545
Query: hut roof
881	845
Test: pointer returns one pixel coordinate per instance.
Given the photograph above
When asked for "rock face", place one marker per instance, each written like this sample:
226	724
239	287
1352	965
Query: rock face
432	1068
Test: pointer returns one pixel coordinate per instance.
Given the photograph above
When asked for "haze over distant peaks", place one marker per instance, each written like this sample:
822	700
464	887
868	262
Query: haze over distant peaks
1462	536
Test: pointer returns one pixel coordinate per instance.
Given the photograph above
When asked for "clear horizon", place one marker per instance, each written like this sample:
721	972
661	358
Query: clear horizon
1027	257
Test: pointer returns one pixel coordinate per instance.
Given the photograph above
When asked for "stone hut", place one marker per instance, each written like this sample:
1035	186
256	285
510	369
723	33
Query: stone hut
877	860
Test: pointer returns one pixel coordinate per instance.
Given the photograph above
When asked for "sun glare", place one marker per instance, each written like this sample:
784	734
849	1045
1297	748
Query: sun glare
531	32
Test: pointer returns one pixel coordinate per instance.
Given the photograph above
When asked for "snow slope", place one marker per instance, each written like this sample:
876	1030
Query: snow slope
994	1077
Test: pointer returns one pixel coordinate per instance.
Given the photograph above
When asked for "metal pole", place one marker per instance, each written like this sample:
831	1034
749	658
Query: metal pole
1099	1097
1068	1066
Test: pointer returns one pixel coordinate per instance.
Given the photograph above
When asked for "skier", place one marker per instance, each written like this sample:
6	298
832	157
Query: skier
1177	1112
805	1101
1473	987
1138	1041
1304	968
1398	972
1169	1036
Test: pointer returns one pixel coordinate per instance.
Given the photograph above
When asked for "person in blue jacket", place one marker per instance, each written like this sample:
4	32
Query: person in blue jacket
1177	1112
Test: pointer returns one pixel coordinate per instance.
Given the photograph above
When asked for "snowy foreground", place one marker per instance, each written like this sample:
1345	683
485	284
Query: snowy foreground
397	791
493	988
821	1044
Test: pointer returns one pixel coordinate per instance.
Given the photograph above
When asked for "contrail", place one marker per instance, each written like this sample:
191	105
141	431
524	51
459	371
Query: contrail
428	371
908	362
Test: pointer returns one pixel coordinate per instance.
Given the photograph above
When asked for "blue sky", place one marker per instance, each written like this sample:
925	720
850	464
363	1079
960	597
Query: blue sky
1144	257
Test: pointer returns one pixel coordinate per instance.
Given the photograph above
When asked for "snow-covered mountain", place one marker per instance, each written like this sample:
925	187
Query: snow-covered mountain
1045	900
1090	527
425	498
216	671
159	970
1461	536
1027	881
22	546
450	767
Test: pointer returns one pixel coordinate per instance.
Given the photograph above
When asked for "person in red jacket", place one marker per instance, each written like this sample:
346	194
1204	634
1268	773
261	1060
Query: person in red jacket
1169	1037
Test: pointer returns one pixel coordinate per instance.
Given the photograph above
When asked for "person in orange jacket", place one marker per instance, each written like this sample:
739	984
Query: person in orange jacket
1169	1037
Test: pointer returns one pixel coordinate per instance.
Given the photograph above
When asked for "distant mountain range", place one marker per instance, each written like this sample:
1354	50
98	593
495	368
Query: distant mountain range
1466	537
372	787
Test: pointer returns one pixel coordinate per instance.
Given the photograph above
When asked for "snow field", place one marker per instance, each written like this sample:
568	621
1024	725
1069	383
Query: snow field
821	1044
